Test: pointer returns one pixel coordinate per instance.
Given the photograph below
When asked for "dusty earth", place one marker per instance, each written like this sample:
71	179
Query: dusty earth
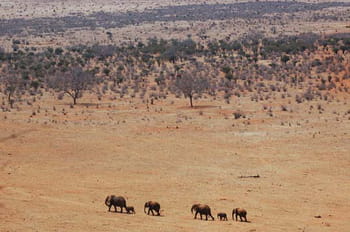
54	8
57	167
213	29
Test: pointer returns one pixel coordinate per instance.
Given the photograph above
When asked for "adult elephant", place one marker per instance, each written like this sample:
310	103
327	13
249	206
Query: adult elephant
152	206
201	209
242	213
115	201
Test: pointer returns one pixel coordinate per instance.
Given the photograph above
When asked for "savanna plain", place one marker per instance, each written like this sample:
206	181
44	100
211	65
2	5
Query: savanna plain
226	103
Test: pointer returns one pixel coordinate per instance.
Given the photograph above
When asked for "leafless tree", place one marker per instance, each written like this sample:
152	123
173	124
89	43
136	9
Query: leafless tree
191	83
12	86
73	82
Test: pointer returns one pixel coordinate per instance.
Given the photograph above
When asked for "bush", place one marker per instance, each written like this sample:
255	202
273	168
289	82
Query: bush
238	114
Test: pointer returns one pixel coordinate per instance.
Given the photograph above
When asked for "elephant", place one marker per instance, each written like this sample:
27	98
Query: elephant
202	209
242	213
115	201
222	216
130	209
152	205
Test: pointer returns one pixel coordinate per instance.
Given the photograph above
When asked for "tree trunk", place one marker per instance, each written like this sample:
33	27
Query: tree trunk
10	101
75	96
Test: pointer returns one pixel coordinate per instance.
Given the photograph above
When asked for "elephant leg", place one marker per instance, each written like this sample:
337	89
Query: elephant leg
109	208
149	209
121	209
115	208
158	213
195	215
206	217
245	218
152	212
201	216
240	217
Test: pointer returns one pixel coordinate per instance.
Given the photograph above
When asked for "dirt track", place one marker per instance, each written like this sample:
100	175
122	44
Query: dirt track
55	176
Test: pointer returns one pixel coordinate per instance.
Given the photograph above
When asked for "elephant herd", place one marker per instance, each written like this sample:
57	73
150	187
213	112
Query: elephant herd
154	207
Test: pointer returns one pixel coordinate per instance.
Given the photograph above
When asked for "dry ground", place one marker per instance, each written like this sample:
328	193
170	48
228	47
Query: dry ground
56	169
213	29
55	8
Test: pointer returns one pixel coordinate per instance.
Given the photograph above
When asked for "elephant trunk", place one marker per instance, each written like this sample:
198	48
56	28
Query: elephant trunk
211	215
107	199
193	207
144	208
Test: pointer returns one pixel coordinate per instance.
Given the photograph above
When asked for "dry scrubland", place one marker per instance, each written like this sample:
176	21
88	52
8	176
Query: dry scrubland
58	162
51	23
55	8
55	175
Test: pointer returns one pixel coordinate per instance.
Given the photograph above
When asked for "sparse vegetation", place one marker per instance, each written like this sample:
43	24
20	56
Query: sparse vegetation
122	69
192	83
162	90
72	82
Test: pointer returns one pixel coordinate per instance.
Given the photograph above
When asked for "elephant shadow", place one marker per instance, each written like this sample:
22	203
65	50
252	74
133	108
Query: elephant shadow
112	211
245	221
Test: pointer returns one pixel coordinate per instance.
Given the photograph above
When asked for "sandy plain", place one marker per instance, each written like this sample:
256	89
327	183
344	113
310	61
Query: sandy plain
57	166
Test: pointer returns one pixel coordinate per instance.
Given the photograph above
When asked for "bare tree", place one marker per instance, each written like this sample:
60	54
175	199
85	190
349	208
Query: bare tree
12	86
73	82
191	83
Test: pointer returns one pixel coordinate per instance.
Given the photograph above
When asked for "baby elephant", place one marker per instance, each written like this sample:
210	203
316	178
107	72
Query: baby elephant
242	213
222	216
130	210
152	205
